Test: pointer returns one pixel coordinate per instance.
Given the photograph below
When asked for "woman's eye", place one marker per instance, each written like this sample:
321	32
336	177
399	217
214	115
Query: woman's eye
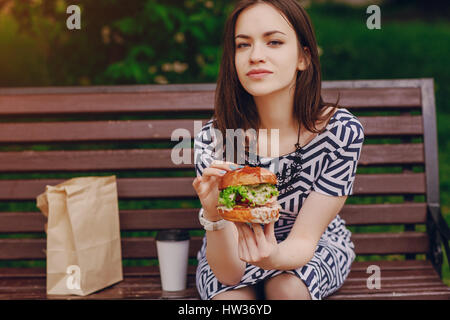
240	45
276	42
273	42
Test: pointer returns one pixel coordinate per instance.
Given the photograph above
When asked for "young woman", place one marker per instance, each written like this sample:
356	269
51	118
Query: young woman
307	253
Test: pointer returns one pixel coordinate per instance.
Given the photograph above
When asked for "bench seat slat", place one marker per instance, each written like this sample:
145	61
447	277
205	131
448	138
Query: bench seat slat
181	187
145	247
399	279
358	270
158	130
171	98
412	295
155	219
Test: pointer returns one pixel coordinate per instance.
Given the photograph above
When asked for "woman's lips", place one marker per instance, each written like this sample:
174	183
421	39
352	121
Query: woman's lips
259	75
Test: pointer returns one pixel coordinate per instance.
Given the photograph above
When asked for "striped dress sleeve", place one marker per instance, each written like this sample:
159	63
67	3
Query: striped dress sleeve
204	148
339	167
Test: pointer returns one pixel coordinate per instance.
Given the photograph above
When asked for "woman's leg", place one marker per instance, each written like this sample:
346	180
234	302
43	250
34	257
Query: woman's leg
245	293
286	286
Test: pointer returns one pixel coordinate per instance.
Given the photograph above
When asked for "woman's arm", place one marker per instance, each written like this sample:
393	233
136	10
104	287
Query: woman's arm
316	214
222	245
222	254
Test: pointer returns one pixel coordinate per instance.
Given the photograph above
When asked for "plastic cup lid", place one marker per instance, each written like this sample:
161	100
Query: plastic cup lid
172	235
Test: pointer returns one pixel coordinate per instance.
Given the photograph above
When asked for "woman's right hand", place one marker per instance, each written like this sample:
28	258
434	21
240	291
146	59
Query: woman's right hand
207	187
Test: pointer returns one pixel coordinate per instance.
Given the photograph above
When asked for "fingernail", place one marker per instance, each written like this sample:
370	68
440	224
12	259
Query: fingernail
233	167
223	171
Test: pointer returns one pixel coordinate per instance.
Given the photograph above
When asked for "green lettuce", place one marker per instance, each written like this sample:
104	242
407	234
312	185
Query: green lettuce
255	194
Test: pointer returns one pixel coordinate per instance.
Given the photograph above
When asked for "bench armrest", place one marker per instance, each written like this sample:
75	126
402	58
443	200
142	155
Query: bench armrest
443	233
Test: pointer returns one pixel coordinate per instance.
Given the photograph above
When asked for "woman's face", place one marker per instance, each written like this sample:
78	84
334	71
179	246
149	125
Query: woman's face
277	52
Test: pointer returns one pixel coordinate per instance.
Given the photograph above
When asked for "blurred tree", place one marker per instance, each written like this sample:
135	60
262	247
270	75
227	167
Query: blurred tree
137	41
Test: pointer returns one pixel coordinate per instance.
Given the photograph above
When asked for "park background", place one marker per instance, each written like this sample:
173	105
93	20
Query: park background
170	42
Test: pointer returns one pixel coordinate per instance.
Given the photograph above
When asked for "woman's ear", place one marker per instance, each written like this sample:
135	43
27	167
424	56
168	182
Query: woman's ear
305	59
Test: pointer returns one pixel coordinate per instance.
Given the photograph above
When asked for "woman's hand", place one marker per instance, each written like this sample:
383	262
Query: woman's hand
257	246
207	187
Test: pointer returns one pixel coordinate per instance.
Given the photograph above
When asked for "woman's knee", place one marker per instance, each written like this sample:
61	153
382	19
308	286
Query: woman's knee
245	293
286	287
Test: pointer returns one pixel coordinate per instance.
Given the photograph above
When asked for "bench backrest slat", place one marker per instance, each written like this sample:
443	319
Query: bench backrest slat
137	188
171	98
103	160
157	219
93	131
158	130
145	247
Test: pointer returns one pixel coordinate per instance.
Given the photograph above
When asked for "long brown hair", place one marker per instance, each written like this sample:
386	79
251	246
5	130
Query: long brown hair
235	107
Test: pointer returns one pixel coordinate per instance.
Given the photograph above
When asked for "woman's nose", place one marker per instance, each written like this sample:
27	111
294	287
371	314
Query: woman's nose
257	53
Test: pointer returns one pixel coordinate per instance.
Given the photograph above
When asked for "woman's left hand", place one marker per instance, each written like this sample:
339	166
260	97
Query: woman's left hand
258	247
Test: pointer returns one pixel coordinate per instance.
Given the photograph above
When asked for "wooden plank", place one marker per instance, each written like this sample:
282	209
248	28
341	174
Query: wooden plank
361	98
136	159
175	188
132	248
128	272
151	282
158	130
130	220
399	279
390	243
132	88
92	160
140	282
155	219
128	188
410	285
107	103
192	98
145	247
420	285
89	131
373	83
398	276
395	213
428	295
138	285
358	270
391	154
405	183
128	288
392	125
361	266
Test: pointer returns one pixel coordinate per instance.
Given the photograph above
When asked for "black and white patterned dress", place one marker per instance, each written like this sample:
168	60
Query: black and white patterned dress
328	166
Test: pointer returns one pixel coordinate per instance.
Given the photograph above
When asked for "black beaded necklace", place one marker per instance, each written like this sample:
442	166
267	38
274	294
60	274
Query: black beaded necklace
292	170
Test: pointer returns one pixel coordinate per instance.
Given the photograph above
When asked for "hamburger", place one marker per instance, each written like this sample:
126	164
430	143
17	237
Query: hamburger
249	194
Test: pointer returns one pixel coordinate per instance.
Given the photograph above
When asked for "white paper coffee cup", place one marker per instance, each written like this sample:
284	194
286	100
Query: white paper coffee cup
173	254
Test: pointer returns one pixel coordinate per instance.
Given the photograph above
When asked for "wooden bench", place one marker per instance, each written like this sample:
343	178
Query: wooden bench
63	132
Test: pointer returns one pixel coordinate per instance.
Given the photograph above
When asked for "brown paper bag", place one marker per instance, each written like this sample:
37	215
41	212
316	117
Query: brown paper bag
83	235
